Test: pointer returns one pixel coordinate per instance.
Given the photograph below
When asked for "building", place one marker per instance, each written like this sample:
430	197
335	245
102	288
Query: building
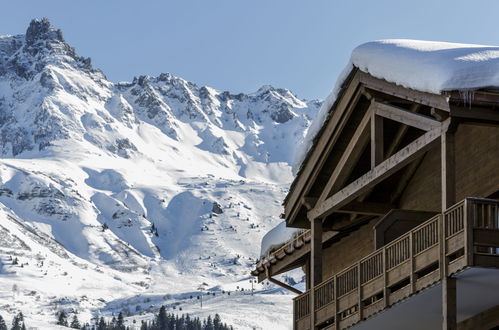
398	194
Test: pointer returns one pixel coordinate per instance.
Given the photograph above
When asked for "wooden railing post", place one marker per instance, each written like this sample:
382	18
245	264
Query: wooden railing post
385	279
336	307
359	290
468	231
411	260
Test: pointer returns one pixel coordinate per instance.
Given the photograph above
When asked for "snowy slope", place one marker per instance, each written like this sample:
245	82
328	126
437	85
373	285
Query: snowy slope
155	188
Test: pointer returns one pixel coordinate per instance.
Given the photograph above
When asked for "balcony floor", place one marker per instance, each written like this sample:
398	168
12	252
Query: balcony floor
477	291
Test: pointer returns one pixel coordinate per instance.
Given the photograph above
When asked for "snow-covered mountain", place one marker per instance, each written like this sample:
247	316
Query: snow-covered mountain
131	195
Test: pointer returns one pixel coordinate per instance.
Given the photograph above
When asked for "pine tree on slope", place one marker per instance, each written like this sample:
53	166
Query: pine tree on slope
18	322
3	326
75	324
62	319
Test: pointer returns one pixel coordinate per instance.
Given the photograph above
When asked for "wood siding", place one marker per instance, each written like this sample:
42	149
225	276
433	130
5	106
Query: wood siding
476	170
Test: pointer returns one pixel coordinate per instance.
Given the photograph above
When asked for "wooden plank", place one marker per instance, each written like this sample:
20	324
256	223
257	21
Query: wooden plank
486	237
406	117
350	156
475	114
377	149
391	165
383	86
486	260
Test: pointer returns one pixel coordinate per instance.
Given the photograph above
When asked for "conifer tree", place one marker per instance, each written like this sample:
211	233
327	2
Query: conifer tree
217	322
209	324
3	326
162	319
18	322
102	324
62	319
120	323
75	324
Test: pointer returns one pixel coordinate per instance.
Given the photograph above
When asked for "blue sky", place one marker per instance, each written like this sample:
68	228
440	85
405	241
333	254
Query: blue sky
240	45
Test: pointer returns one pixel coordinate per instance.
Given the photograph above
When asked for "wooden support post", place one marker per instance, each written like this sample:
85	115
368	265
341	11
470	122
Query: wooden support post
308	281
449	307
316	251
316	264
448	171
449	302
377	150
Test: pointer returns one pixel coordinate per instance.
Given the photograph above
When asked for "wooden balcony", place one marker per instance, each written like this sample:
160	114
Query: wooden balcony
466	235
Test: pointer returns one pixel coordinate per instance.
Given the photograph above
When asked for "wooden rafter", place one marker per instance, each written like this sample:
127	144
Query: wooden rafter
350	156
395	143
400	159
406	117
383	86
377	149
347	101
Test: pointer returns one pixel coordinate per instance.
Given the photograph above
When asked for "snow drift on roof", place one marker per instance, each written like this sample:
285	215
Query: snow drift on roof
426	66
277	237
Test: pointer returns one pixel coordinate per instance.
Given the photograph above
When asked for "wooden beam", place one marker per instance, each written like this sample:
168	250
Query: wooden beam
383	86
449	303
284	285
366	208
377	149
397	139
439	115
349	157
316	251
448	170
476	114
309	202
316	264
391	165
407	117
326	140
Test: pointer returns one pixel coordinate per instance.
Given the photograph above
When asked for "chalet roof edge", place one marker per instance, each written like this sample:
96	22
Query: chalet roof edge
426	66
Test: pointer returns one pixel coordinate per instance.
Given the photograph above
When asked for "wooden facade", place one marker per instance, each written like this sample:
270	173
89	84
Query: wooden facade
399	193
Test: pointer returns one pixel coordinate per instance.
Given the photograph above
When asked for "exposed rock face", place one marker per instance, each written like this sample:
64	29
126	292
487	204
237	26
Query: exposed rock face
217	208
54	94
115	183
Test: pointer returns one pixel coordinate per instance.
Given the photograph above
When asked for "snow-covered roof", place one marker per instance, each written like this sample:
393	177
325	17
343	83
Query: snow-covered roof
426	66
277	237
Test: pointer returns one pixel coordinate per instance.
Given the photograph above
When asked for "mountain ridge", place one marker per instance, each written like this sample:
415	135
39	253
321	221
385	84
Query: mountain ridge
151	188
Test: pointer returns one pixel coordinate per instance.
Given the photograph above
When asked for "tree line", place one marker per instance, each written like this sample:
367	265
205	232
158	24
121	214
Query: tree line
162	321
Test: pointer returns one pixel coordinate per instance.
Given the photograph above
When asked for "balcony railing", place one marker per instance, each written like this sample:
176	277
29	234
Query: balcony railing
467	234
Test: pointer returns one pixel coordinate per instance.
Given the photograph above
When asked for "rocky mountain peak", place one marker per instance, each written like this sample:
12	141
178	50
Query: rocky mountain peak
41	30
